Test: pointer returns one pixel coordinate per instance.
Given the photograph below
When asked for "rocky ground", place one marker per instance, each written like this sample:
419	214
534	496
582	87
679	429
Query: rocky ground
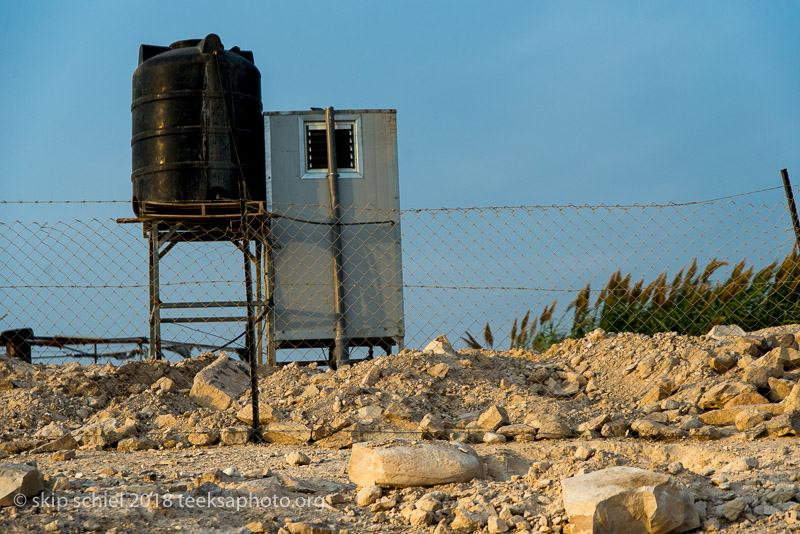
154	446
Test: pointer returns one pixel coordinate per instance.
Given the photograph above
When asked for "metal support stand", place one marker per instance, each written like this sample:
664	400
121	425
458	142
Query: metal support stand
252	239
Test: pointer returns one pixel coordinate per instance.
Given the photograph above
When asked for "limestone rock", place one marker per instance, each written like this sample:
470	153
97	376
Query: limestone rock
655	394
136	444
301	527
782	425
493	418
201	438
549	426
19	479
653	430
750	418
519	432
235	435
286	432
369	412
266	414
439	370
419	518
742	464
496	525
165	384
368	495
779	389
731	509
398	412
746	399
630	500
721	364
792	400
759	375
107	432
406	464
371	377
51	431
65	442
441	345
297	458
466	521
721	417
220	384
594	424
717	396
615	428
432	426
723	331
493	438
63	456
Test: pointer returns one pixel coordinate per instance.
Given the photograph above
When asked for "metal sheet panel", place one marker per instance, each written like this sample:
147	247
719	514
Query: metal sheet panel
304	289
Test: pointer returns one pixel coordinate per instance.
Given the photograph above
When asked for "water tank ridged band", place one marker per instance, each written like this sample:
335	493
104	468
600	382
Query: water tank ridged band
196	124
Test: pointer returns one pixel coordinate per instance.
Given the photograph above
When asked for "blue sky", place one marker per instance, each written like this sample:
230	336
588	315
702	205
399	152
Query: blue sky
499	103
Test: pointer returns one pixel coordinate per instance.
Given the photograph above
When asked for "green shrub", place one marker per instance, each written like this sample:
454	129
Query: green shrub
689	303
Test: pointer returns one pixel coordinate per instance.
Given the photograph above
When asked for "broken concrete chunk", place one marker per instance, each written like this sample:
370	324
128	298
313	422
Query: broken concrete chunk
408	464
627	499
19	479
220	384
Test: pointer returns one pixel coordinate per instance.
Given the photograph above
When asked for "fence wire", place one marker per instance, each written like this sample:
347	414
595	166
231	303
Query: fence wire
500	277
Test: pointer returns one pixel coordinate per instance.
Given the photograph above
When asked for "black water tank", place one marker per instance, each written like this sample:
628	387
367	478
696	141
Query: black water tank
188	99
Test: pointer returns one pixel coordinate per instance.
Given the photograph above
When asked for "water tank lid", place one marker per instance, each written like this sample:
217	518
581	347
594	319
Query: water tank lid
186	43
211	43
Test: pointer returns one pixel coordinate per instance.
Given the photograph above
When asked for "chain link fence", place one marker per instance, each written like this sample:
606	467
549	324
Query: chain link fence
461	269
520	278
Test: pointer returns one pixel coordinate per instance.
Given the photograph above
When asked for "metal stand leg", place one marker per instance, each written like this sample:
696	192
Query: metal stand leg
155	300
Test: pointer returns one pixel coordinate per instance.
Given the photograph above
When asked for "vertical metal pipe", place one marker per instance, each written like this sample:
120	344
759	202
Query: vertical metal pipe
155	300
270	289
249	334
787	186
341	354
259	308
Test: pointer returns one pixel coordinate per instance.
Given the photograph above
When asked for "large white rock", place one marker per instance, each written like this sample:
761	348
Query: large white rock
407	464
630	500
18	479
441	345
220	384
721	331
